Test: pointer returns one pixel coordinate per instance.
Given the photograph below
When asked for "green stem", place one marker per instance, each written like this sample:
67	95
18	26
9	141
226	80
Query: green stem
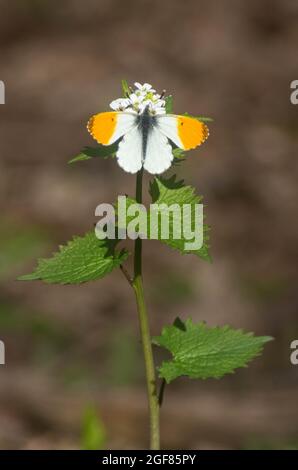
145	333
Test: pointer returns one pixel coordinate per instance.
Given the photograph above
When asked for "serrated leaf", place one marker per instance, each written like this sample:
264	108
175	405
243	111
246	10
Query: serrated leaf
170	191
103	151
82	259
169	104
125	88
200	352
167	192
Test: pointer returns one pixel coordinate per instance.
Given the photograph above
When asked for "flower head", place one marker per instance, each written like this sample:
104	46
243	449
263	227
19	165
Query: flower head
142	97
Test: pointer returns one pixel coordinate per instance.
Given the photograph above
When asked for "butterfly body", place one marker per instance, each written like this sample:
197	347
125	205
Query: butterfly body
146	138
146	123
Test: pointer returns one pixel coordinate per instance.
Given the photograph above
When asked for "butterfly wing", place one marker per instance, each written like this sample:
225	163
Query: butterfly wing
108	127
184	131
159	153
129	153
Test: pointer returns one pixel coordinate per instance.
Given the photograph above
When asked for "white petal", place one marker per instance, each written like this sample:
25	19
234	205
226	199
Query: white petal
115	105
135	98
160	103
120	104
141	107
148	87
140	93
159	110
131	110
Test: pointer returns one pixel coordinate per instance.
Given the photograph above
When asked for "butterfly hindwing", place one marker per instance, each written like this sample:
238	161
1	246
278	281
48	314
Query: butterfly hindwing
129	153
184	131
159	155
108	127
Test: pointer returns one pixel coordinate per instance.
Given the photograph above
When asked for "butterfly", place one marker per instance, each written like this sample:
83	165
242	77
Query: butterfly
146	139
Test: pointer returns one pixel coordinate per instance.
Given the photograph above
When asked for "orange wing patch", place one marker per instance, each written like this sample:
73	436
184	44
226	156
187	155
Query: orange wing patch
102	126
191	132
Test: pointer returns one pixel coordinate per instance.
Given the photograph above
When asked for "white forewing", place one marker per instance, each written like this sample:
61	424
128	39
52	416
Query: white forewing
159	154
167	124
129	153
125	123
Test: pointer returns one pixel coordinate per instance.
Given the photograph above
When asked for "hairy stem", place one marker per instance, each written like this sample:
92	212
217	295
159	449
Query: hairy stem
145	333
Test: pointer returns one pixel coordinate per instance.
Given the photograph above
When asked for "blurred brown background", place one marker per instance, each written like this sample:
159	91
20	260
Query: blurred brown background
67	347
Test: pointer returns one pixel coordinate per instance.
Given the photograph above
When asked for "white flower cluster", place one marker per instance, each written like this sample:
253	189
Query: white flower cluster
143	96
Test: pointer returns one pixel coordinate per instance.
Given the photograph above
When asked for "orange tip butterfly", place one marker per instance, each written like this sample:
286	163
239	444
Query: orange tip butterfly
145	138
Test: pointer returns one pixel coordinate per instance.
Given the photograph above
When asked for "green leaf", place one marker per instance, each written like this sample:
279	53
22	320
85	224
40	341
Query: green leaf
82	259
200	352
200	118
169	104
80	158
103	151
93	430
178	153
203	118
125	88
170	191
